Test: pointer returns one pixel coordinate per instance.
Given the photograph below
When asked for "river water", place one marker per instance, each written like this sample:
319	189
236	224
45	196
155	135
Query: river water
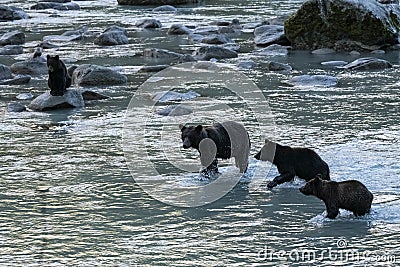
68	197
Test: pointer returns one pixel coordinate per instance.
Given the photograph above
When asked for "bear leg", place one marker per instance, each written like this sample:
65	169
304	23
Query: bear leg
211	169
332	212
280	179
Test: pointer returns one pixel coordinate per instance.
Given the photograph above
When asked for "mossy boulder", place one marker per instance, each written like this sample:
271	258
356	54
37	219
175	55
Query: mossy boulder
322	23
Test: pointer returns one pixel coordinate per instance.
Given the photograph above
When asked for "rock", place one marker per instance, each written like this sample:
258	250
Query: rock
378	51
348	45
89	74
5	72
160	53
24	96
114	35
226	30
11	13
368	63
148	23
217	52
216	39
270	34
336	63
206	30
47	45
11	50
165	8
323	51
168	96
12	38
157	2
90	96
175	110
276	66
56	1
186	58
272	50
195	38
57	6
15	107
70	99
16	80
313	81
178	29
231	46
248	64
30	67
321	23
155	68
354	53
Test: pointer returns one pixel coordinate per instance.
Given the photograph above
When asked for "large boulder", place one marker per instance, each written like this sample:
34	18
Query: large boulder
270	34
70	99
156	2
12	38
322	23
11	50
89	75
7	78
11	13
31	67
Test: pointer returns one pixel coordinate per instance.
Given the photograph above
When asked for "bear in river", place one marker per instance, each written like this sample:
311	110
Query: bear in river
349	195
221	140
292	161
59	79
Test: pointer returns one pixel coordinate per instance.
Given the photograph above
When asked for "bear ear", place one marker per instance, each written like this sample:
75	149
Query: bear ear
199	127
57	57
48	56
181	127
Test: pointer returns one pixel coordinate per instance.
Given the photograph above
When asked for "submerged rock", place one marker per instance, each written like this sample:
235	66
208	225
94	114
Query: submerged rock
323	51
160	53
70	99
322	23
11	50
216	39
15	107
155	68
24	96
167	96
334	63
148	24
55	5
368	63
217	52
165	8
90	96
175	110
248	64
277	66
156	2
313	81
12	38
113	35
11	13
89	74
272	50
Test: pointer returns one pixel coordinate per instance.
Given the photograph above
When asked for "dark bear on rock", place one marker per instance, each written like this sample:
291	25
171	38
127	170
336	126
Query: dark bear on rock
221	140
293	161
349	195
59	79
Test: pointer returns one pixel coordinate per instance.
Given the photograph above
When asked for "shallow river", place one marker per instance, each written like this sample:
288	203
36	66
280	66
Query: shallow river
68	197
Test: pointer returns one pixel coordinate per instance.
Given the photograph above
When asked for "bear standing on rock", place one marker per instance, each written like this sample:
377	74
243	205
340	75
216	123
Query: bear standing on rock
221	140
349	195
59	79
293	161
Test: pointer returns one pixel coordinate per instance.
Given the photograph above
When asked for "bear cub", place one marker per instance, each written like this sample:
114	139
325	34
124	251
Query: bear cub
59	79
221	140
292	161
350	195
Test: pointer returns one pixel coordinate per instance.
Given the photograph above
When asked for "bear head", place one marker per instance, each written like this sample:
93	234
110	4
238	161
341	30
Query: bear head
192	135
267	152
313	186
54	63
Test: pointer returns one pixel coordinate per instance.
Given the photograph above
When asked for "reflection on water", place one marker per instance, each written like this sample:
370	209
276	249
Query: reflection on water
68	197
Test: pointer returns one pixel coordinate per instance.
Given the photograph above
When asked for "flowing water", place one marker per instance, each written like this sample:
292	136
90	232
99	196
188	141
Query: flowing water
68	197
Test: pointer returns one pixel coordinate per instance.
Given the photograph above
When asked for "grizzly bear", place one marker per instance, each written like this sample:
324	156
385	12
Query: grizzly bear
350	195
59	79
292	161
221	140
